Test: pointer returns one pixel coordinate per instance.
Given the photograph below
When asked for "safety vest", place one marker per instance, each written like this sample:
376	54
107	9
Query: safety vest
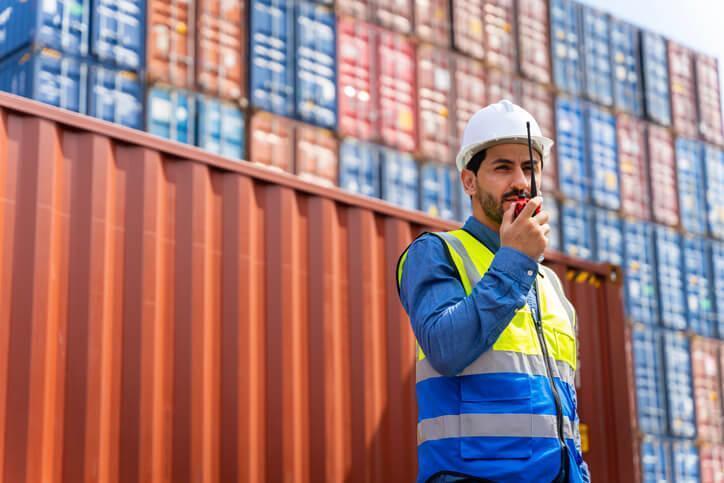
506	415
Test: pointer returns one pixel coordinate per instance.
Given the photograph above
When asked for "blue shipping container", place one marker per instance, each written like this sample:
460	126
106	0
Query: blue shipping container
597	56
655	78
570	150
46	76
717	286
608	237
655	460
670	278
60	25
465	208
400	179
625	55
171	114
438	186
220	128
689	170
698	278
359	167
714	180
602	160
649	380
685	462
565	44
550	205
576	229
272	56
679	389
116	96
316	81
119	35
640	275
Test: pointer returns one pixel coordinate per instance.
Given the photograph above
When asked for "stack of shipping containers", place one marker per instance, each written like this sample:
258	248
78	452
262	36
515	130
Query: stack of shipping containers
372	96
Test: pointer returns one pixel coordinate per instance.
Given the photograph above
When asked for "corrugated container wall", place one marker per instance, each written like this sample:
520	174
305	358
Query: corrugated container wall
602	160
679	389
539	101
655	460
170	45
434	104
271	141
59	25
565	44
714	183
533	37
220	128
656	78
649	380
662	171
711	460
400	179
608	237
633	167
468	29
573	178
707	389
171	114
577	229
685	461
670	277
438	190
689	175
119	33
709	98
640	272
701	312
596	56
432	21
470	92
221	41
316	155
626	65
717	266
683	90
359	168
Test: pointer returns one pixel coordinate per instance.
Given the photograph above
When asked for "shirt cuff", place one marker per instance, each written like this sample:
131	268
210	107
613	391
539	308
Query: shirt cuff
516	264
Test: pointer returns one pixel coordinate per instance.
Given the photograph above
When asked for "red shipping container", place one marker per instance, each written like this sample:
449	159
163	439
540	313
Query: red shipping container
707	86
221	48
470	95
432	21
357	8
711	460
683	90
498	18
533	39
316	156
631	137
271	141
539	102
393	14
396	88
707	389
170	44
434	79
662	173
500	86
357	112
468	34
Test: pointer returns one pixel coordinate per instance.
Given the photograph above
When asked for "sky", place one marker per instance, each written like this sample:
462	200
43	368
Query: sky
697	25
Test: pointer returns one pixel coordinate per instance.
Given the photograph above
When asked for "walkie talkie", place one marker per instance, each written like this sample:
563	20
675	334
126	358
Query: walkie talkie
522	200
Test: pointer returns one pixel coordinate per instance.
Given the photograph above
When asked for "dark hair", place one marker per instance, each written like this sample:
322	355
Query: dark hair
475	162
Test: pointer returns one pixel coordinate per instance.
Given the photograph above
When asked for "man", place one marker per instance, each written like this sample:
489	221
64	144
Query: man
496	335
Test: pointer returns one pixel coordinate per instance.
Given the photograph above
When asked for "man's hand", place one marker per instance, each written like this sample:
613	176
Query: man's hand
527	233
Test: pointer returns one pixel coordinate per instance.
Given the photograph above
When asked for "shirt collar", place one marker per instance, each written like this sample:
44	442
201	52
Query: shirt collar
483	234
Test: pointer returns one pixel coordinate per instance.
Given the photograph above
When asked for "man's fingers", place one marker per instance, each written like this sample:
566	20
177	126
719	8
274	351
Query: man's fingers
542	218
531	206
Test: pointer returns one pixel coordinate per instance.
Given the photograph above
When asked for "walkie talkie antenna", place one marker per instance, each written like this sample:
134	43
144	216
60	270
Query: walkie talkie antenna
533	189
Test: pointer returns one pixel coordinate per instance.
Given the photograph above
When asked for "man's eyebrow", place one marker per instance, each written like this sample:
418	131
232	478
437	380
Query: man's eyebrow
508	161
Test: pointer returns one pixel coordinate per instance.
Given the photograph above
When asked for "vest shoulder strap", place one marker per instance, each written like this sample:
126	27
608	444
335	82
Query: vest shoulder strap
558	287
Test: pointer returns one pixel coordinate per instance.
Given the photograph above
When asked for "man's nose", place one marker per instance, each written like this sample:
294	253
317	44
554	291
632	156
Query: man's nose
520	179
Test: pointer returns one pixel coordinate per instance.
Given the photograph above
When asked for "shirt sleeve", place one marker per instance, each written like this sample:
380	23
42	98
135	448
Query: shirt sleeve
453	328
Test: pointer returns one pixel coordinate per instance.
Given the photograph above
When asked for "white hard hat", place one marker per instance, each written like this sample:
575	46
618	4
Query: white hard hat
502	122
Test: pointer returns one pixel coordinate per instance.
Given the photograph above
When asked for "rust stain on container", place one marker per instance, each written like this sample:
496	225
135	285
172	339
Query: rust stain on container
169	315
435	86
683	90
170	44
662	173
707	389
634	173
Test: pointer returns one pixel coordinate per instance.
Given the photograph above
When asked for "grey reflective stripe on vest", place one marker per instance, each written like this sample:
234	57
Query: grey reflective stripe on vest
492	425
470	270
492	361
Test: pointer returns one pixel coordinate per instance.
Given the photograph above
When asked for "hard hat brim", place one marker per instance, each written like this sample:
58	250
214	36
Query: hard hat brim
541	144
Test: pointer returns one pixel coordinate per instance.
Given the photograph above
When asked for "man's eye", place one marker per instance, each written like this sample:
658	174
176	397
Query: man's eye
502	168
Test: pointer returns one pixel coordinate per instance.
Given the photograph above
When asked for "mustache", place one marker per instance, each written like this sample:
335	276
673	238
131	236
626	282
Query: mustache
515	194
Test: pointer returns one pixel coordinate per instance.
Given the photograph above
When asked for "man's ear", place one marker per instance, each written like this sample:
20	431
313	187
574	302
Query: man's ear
467	177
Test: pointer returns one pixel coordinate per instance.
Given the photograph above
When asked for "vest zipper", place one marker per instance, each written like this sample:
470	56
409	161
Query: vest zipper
556	397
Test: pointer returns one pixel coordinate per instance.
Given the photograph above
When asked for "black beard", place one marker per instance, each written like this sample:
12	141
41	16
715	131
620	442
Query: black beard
492	208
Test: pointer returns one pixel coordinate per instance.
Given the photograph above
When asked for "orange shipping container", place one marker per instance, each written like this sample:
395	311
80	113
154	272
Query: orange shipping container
683	90
434	80
468	34
631	137
711	459
316	155
170	45
533	39
170	315
707	389
538	100
499	19
709	96
662	171
470	95
271	141
432	21
221	48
